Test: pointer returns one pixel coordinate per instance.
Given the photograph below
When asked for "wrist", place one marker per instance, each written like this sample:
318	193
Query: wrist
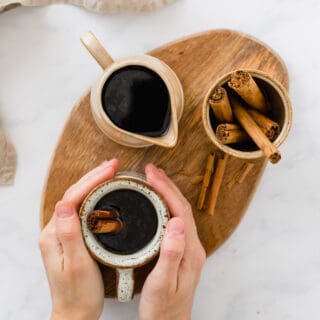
72	316
165	317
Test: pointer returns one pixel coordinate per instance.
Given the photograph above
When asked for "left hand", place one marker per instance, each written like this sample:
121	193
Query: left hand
75	280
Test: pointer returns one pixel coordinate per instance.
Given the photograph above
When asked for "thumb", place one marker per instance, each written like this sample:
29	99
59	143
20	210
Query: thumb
165	273
68	230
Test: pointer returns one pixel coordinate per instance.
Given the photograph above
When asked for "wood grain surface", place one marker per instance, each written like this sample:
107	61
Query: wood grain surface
198	60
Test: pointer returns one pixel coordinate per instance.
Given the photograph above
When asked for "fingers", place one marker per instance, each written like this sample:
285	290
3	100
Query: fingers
194	255
68	232
61	239
177	203
49	244
77	192
159	179
165	274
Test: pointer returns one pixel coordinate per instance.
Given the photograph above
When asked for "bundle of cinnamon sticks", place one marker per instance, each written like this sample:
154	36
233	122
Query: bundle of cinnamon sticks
241	111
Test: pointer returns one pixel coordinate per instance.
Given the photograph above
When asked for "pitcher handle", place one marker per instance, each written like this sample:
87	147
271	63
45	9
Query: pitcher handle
96	49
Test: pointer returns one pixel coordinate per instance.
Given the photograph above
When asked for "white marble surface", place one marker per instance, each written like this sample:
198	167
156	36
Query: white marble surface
270	267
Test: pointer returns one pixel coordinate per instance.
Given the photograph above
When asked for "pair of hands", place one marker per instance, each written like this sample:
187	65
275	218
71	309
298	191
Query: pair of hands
74	277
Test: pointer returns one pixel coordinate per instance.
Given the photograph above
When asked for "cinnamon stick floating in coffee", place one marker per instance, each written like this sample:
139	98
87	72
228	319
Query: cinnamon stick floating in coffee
246	87
220	104
254	131
206	180
216	184
104	221
228	133
268	126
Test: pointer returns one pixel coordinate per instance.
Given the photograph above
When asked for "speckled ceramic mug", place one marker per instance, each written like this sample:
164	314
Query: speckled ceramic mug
124	263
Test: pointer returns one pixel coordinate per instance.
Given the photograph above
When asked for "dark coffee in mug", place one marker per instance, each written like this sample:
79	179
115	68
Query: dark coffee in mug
137	100
139	218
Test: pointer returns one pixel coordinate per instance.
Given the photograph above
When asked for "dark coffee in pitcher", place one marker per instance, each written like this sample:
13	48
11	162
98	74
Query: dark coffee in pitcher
137	100
138	216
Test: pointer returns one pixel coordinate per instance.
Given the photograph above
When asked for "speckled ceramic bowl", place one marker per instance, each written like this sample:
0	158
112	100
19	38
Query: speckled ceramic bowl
124	263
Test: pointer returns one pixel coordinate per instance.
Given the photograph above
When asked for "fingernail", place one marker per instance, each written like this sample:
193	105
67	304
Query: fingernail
104	165
151	166
150	169
64	211
175	227
158	171
161	171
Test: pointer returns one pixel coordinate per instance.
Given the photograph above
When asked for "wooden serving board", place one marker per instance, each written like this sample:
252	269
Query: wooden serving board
197	60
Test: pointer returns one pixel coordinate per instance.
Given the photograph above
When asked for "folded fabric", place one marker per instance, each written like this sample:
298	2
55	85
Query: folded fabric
93	5
8	160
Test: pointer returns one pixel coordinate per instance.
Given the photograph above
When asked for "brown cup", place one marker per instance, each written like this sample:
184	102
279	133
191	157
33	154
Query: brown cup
281	112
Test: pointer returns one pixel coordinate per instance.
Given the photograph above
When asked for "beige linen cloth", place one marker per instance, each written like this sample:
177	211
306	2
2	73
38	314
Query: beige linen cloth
93	5
8	160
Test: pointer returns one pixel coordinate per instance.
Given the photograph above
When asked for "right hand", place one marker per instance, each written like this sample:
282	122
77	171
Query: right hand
168	291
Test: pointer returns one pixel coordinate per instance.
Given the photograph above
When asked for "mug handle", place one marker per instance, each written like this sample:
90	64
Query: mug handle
96	49
125	284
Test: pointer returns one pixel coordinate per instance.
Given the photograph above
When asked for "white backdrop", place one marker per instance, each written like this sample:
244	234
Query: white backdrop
269	268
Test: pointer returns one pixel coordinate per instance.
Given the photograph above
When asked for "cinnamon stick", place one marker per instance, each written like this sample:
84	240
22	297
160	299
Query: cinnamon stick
228	133
240	175
232	181
206	180
216	184
196	179
246	168
220	105
268	126
104	221
254	131
243	83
